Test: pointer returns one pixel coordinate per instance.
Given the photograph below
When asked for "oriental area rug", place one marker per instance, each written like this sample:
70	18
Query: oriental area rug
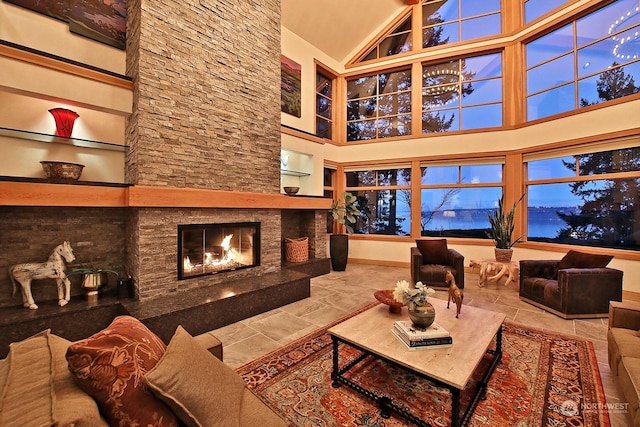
545	379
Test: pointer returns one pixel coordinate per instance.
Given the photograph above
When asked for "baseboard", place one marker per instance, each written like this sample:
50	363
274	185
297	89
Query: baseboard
379	262
630	296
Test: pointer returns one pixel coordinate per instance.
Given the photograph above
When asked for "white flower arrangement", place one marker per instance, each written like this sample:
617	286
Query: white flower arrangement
405	294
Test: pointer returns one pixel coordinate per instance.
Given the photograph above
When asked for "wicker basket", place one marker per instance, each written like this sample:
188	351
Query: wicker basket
297	250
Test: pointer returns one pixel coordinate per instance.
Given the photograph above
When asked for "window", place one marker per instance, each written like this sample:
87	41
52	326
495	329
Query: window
329	189
450	21
589	199
591	60
462	94
379	106
324	105
384	200
456	200
397	41
533	9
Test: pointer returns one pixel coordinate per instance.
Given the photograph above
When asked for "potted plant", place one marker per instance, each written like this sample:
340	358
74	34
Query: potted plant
93	277
344	212
501	228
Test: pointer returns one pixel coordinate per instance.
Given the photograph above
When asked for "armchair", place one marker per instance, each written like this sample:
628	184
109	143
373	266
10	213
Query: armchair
577	286
431	259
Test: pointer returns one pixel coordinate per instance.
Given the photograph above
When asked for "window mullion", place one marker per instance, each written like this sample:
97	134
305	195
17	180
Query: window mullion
416	98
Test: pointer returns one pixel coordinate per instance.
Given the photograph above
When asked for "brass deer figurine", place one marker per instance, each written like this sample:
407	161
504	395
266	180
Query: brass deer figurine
455	293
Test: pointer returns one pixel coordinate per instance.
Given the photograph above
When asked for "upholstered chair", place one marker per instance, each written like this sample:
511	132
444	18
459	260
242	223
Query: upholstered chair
579	285
431	259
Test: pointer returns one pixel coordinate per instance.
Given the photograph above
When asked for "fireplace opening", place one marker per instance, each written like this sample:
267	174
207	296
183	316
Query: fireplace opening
205	249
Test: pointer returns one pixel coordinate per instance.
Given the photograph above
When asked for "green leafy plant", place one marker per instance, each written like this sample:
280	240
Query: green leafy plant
502	225
90	269
345	210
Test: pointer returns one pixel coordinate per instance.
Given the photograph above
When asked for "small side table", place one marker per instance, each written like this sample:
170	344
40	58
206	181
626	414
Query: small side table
492	271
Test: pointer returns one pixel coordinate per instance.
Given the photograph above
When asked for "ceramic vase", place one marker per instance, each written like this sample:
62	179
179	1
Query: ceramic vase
503	255
422	316
339	251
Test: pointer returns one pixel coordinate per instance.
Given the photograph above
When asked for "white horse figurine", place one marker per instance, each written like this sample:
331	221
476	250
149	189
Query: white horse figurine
52	269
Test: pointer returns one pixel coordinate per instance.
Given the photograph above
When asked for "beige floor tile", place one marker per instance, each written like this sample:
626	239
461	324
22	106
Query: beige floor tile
591	329
279	326
241	352
233	333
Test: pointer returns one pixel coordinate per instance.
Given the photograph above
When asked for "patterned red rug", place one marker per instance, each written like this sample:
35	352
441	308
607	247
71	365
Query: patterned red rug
545	379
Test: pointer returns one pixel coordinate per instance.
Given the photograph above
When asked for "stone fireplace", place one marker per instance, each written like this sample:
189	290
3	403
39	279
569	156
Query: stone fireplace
201	136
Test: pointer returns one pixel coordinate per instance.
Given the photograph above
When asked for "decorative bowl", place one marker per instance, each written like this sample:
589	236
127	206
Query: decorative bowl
291	190
64	170
386	297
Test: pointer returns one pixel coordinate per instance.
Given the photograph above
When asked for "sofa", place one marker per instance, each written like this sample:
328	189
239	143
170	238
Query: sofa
623	342
125	375
577	286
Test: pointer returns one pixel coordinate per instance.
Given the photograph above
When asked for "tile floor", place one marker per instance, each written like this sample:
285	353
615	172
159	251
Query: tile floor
339	293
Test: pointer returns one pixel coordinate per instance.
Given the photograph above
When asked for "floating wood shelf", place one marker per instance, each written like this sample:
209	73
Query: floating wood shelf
14	193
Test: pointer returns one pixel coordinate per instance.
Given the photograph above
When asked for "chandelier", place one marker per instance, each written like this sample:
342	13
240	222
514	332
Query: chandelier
450	88
622	40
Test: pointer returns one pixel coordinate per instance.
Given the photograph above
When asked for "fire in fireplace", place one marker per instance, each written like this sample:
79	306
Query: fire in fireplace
213	248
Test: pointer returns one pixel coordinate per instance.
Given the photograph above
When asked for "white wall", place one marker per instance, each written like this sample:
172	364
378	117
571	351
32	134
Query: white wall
298	50
27	28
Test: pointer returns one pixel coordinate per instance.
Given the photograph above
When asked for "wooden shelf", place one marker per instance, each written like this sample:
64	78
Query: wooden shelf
44	194
14	193
143	196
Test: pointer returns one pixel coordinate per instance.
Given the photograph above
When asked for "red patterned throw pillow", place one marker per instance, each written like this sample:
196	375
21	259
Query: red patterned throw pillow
110	367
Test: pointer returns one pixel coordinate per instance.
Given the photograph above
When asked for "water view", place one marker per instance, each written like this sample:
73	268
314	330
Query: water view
542	222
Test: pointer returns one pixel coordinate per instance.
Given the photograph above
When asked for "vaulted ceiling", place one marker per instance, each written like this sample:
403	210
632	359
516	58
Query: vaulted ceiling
339	27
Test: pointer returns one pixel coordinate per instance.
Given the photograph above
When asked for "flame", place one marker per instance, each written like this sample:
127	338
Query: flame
226	242
187	266
228	256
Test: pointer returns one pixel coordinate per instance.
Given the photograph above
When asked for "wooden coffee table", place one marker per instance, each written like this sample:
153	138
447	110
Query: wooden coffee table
451	367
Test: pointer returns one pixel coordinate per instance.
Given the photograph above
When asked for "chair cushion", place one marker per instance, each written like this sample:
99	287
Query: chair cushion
110	366
434	251
621	343
253	412
575	259
200	389
27	396
629	383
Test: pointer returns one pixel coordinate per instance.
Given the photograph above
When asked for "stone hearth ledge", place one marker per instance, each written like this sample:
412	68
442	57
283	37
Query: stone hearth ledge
207	308
198	310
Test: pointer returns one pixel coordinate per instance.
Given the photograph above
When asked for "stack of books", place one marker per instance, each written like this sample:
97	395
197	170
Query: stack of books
435	336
